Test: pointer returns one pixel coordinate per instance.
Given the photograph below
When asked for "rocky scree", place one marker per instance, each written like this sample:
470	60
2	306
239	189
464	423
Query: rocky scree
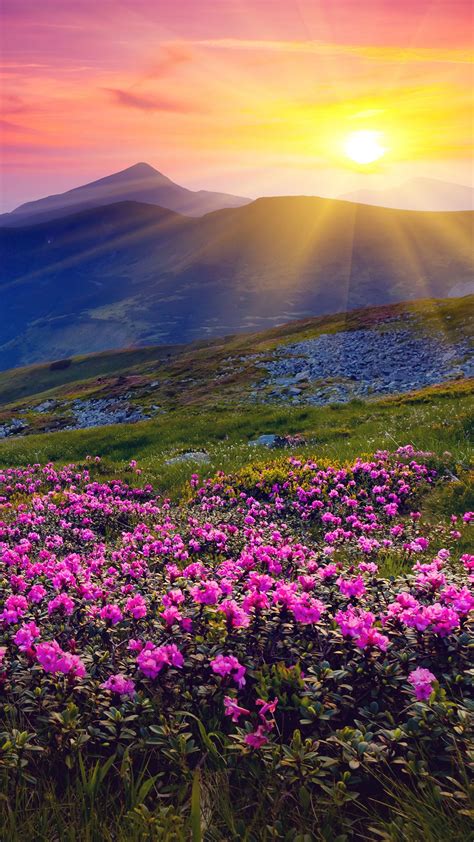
361	363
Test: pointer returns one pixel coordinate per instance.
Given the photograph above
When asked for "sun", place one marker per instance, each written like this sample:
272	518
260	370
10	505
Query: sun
364	147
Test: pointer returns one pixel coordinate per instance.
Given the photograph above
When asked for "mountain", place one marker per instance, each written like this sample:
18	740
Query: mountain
423	194
132	273
140	183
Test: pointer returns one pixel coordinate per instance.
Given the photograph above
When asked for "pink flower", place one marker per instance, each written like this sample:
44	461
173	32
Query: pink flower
36	593
120	684
233	709
372	638
354	620
206	594
62	603
52	658
235	616
136	606
421	680
111	613
307	610
255	600
228	665
351	587
174	597
15	607
171	615
368	567
257	738
152	659
26	635
266	707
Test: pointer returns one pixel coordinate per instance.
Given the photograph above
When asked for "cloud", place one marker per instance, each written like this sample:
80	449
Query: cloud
378	53
144	102
7	126
172	55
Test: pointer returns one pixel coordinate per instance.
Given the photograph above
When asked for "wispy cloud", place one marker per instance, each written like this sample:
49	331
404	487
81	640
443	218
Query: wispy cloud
145	102
382	53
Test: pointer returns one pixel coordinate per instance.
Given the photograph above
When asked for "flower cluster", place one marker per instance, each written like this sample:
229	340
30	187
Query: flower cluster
268	584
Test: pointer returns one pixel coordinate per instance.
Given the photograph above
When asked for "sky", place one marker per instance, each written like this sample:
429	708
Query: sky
253	97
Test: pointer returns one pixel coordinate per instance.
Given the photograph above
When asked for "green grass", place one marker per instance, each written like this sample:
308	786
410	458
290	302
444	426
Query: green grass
220	810
435	420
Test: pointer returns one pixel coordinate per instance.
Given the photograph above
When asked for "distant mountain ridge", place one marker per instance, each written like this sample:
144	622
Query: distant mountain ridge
422	194
139	183
135	274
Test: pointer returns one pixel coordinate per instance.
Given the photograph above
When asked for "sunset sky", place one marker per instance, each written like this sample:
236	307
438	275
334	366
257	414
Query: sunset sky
249	96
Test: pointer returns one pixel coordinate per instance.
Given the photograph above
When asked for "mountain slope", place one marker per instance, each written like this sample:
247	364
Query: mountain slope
132	273
140	183
424	194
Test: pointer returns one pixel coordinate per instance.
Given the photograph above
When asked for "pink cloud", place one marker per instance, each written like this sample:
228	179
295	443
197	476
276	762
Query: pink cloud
148	103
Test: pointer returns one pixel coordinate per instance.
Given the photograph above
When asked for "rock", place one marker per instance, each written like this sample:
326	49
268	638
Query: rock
46	406
13	427
199	456
268	440
367	361
103	411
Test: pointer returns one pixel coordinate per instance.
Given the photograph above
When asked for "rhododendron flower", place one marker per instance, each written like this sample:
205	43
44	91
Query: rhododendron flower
206	594
111	613
421	680
255	600
3	652
461	599
266	707
368	567
235	615
442	620
15	607
328	571
136	606
36	593
120	684
372	637
152	659
174	597
353	621
171	615
228	665
257	738
52	658
306	609
231	708
351	587
26	635
62	603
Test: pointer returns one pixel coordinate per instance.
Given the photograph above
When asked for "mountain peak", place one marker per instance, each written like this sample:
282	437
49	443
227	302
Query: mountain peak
142	167
138	183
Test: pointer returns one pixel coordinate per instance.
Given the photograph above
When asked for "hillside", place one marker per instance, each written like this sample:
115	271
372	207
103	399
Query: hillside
139	183
136	274
423	194
216	396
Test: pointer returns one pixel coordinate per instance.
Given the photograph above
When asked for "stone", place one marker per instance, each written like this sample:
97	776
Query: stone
268	440
46	406
199	456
